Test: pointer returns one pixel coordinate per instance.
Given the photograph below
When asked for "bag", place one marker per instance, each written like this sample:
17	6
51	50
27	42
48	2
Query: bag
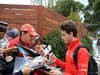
92	65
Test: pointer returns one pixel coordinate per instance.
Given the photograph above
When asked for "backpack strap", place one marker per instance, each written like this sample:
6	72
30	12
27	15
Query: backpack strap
76	53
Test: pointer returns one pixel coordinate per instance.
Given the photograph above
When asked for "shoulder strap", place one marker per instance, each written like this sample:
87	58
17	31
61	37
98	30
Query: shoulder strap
76	53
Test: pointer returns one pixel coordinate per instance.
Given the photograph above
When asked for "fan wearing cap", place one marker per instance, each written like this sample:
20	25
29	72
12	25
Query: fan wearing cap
4	42
26	38
9	35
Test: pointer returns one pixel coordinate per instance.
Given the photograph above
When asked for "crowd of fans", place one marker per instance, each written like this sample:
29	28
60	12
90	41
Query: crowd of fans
28	38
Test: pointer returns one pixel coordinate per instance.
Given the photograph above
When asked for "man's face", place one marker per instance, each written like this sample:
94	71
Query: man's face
66	37
27	37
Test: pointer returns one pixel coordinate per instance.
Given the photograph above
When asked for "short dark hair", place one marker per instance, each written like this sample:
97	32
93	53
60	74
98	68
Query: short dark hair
25	32
69	26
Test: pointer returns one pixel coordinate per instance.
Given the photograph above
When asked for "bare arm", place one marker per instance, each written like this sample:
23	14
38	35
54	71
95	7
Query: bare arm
4	51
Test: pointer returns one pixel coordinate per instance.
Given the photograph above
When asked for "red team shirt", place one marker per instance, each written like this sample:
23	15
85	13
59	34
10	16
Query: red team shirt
69	66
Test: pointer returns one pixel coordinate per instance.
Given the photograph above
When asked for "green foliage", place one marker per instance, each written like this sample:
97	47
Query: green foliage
75	17
96	14
93	28
58	46
64	7
92	15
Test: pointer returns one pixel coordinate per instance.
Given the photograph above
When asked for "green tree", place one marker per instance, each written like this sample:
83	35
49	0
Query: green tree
92	16
58	46
75	17
64	7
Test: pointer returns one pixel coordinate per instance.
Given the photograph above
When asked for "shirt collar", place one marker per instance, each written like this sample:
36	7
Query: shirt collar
26	44
73	43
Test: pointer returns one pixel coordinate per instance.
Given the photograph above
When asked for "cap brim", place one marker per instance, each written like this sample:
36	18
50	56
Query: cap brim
34	34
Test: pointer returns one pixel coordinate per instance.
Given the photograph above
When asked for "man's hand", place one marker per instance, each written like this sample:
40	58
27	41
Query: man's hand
39	49
51	58
4	51
9	58
55	72
27	70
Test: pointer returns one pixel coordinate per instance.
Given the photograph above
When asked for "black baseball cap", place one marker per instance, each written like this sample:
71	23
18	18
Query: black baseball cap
3	26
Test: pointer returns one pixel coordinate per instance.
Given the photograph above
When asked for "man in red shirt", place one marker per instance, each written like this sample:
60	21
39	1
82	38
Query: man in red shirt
26	38
69	35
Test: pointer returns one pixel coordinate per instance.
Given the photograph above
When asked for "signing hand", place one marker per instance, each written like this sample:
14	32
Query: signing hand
55	72
27	70
52	58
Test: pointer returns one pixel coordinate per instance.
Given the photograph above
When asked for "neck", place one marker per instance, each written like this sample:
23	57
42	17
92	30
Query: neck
73	39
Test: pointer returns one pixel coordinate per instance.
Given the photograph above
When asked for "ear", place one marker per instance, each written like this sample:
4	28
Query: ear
23	33
71	33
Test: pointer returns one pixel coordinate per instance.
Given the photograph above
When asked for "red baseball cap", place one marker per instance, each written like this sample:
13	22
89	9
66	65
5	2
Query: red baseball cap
30	29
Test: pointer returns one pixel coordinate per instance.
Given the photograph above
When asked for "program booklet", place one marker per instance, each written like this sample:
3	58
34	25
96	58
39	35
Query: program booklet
27	51
35	62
